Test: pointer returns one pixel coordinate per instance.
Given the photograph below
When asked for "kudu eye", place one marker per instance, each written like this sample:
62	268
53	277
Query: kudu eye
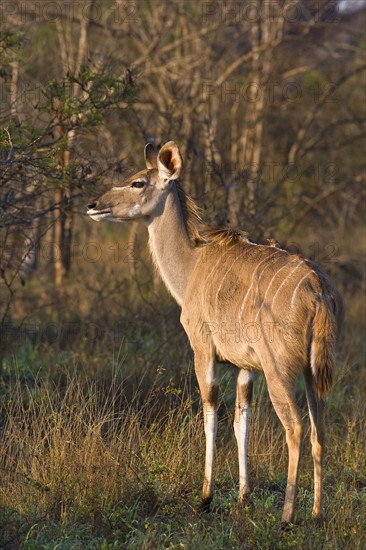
138	183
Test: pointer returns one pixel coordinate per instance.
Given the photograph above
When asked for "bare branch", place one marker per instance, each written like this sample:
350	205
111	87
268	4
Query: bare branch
294	151
10	154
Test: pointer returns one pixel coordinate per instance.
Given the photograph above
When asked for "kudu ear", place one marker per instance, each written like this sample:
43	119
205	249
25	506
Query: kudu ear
150	156
170	162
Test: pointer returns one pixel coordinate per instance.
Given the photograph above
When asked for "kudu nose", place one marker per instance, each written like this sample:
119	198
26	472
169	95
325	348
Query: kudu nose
91	205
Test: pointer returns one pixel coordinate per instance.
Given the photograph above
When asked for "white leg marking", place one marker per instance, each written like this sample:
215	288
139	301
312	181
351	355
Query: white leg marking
241	429
210	422
211	374
210	432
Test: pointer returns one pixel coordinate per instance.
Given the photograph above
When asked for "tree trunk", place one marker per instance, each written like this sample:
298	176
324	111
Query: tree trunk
63	195
242	198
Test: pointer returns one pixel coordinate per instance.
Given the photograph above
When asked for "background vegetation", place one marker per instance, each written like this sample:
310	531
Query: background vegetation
101	431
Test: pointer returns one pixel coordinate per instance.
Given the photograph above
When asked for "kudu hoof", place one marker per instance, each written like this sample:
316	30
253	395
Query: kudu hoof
286	526
244	500
318	519
205	506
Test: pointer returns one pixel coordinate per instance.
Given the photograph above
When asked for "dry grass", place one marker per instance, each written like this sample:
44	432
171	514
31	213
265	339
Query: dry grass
85	464
102	443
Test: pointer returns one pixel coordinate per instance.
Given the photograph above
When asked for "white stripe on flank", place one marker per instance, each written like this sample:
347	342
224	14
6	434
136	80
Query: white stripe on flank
249	289
209	276
283	282
297	288
269	286
215	266
259	280
226	274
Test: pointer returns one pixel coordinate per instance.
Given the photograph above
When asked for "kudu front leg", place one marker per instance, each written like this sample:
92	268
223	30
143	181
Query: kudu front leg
244	392
205	369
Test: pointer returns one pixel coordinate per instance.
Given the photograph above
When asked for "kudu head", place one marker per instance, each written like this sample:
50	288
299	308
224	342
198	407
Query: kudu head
142	195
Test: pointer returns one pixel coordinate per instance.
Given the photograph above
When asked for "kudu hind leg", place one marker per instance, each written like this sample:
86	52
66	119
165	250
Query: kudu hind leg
244	392
316	414
283	401
205	369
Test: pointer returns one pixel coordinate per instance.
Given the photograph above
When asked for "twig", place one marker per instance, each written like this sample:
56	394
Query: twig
10	154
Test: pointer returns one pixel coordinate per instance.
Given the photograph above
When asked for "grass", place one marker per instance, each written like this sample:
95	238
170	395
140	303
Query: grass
102	441
90	463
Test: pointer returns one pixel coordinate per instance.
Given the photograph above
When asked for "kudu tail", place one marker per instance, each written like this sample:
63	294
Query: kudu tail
322	355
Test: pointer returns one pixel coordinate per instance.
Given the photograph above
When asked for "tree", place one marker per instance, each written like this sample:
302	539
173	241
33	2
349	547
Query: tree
39	181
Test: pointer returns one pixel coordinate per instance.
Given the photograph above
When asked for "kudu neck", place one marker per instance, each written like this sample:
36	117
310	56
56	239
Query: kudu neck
171	248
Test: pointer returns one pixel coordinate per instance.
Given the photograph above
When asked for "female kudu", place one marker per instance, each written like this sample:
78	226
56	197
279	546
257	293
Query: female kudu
256	306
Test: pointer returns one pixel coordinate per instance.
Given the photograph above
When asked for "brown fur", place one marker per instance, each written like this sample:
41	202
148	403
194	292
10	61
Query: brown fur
191	215
322	348
223	236
256	306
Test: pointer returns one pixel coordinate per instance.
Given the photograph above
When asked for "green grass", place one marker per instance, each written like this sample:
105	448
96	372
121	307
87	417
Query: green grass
103	447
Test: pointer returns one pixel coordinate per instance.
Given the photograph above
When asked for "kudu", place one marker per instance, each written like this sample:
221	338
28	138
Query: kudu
255	306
